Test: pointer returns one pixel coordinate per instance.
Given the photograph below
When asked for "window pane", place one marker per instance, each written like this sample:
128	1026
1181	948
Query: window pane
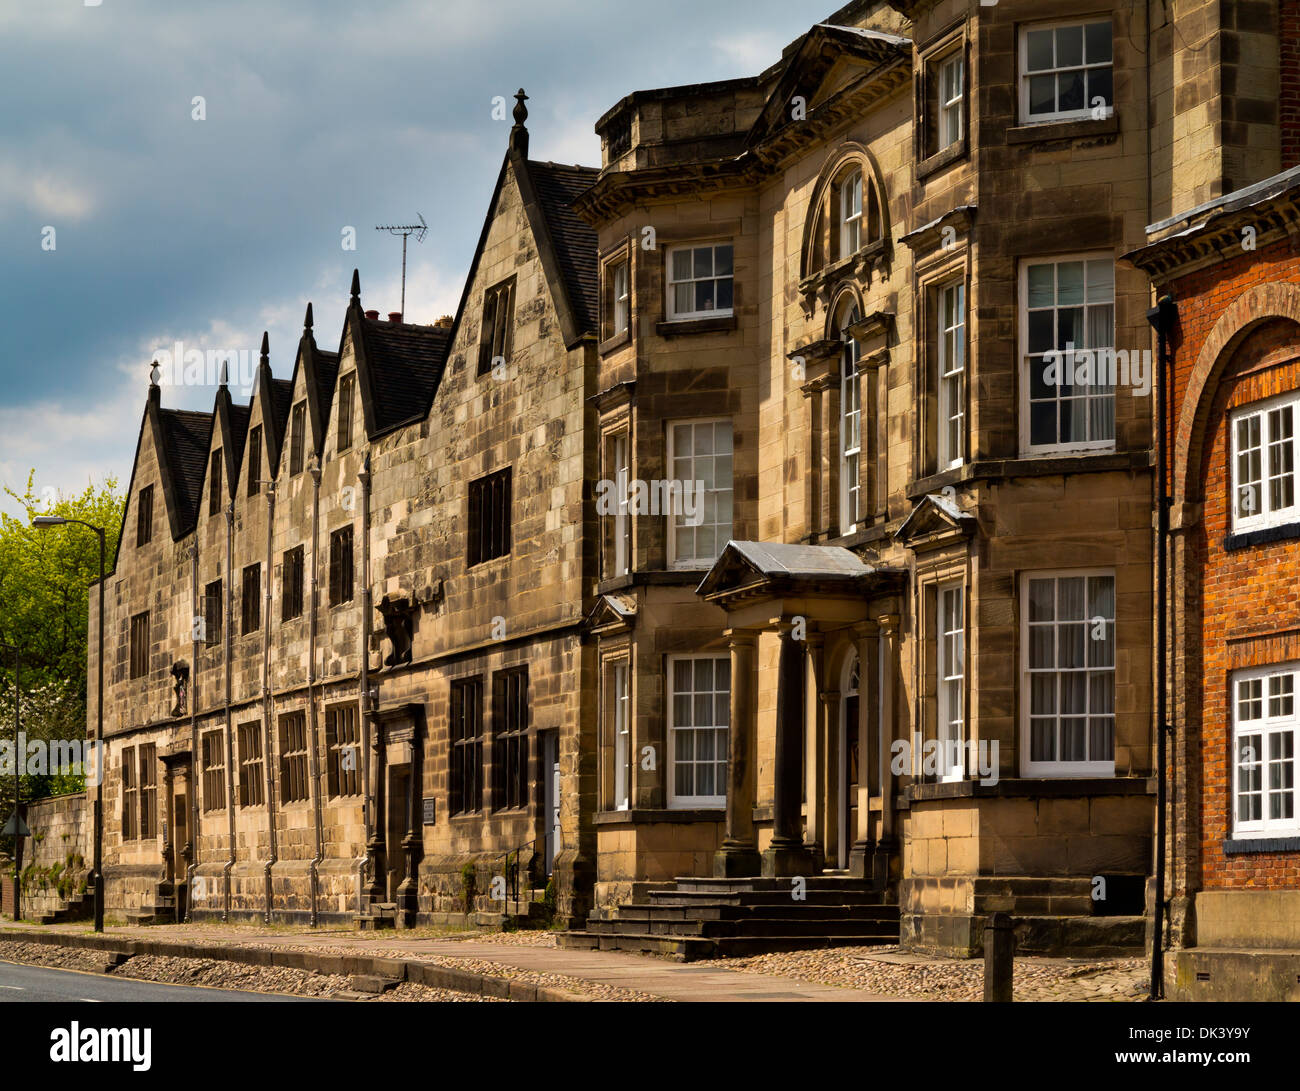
1069	46
1070	88
1039	49
1042	94
722	258
1042	285
681	265
724	295
703	261
1101	85
1097	43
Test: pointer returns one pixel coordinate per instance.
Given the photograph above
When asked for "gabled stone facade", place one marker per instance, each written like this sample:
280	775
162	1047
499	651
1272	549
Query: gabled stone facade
322	608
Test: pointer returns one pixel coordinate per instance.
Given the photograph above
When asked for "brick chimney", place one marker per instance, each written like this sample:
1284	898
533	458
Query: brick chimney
444	323
395	316
373	316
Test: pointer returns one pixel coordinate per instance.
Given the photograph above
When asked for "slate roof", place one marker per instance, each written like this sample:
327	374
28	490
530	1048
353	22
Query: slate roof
404	363
780	559
326	368
574	240
239	417
186	436
781	563
281	397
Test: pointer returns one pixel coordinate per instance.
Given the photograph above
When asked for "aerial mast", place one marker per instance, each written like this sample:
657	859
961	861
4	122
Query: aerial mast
406	231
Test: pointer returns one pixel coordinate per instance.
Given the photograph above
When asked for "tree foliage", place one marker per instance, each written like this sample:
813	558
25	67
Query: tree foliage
46	577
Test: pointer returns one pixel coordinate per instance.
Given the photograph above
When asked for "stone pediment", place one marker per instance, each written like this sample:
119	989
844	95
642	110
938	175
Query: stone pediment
611	613
934	521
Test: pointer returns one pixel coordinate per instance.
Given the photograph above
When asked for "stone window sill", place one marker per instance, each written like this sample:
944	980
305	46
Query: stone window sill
940	159
1239	845
1263	536
1044	131
618	340
641	816
685	327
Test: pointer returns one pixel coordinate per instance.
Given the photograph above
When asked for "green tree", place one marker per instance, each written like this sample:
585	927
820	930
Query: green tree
46	578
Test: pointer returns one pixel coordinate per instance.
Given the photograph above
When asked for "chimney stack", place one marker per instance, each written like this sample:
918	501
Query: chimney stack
395	316
373	316
444	323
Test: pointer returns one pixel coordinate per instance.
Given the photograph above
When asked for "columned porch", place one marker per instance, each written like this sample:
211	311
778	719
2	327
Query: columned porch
834	620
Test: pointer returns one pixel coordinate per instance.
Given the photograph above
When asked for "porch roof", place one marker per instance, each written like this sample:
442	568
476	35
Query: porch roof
766	568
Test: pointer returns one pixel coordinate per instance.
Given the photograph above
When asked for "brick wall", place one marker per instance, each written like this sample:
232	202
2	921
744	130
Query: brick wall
1242	606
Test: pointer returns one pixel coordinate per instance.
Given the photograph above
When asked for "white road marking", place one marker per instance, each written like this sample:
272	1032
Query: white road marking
87	1000
16	988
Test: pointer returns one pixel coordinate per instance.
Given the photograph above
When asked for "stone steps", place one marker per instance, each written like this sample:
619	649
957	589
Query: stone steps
693	948
720	918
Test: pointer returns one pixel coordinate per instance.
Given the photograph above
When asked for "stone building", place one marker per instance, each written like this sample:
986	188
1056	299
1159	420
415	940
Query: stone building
777	506
347	673
917	609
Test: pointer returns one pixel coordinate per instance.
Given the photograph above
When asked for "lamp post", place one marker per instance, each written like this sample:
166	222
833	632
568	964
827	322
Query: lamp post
18	769
43	522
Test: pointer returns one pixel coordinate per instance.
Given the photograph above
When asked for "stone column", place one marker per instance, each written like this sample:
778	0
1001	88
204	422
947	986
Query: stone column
786	854
888	728
375	862
817	766
408	892
869	750
834	445
812	464
738	856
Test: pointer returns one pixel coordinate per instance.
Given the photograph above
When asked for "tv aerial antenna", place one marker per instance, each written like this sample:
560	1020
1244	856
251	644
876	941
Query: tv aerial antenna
406	231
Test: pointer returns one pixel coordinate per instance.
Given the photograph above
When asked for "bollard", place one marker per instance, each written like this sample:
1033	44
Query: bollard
999	952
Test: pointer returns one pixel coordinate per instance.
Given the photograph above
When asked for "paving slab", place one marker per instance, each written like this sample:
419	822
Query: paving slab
670	980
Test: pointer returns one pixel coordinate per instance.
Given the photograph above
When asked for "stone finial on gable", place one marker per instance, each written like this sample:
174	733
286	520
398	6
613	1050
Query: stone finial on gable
519	132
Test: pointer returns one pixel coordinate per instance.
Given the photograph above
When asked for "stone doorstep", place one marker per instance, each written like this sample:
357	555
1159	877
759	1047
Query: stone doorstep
117	950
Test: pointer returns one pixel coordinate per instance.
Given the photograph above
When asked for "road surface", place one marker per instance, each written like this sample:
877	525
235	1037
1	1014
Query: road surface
27	984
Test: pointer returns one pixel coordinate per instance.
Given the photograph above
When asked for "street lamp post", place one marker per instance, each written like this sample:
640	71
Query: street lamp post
42	522
18	769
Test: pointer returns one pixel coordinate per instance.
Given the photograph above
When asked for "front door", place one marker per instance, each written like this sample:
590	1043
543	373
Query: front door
550	757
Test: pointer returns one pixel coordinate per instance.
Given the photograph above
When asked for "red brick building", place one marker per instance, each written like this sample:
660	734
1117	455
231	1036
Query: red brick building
1232	270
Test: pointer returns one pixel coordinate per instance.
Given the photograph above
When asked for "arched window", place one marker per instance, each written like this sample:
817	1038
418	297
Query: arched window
850	217
850	423
846	214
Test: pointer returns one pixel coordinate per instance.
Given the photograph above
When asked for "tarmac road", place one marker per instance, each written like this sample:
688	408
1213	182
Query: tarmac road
40	984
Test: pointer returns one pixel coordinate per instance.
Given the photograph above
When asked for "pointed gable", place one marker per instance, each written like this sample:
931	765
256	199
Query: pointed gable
183	438
549	191
821	67
398	366
934	521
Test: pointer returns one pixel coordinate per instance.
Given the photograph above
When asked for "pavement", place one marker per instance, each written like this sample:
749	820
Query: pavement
40	984
661	978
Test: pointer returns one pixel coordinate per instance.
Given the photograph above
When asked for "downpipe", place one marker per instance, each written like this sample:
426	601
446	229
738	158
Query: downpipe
230	749
267	709
1161	317
314	866
364	702
193	864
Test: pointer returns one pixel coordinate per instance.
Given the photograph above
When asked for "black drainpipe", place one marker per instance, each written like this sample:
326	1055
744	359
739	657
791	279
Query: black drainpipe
1161	317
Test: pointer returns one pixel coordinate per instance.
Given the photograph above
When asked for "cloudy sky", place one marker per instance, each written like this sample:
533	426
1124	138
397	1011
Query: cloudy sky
319	116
